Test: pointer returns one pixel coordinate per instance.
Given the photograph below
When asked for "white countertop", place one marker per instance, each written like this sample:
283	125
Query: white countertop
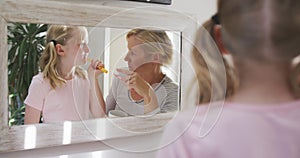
39	136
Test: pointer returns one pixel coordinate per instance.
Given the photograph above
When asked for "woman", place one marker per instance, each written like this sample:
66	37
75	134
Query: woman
144	89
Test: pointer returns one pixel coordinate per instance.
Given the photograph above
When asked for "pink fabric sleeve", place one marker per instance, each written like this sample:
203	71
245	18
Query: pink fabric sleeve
172	142
170	150
36	94
242	131
176	144
180	138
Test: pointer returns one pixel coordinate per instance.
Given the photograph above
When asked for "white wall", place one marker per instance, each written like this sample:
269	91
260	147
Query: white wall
202	9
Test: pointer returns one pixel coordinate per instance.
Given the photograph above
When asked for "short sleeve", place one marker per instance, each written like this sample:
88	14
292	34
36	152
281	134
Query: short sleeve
110	99
181	137
171	101
172	145
36	94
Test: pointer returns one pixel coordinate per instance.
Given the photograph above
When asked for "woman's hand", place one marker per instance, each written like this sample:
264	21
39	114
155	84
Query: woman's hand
143	88
134	81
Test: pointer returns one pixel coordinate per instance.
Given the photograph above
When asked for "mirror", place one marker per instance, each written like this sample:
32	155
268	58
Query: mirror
94	14
26	41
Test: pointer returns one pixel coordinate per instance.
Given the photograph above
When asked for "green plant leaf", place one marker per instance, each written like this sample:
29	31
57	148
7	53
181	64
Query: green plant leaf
26	43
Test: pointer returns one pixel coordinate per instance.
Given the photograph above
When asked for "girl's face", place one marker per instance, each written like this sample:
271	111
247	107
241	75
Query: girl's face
136	56
76	49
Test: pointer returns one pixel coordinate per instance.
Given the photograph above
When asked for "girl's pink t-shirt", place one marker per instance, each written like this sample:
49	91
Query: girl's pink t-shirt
69	102
238	131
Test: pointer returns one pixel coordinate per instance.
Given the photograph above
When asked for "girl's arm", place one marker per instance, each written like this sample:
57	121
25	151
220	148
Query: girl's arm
32	115
100	96
97	104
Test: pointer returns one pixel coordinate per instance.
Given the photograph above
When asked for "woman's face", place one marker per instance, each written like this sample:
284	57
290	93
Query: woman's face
77	47
136	56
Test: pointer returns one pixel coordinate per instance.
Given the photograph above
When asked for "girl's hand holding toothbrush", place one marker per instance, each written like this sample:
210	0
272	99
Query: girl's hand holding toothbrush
96	67
100	67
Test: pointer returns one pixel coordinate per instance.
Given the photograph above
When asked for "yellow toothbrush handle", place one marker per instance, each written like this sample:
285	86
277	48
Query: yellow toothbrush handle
102	69
99	67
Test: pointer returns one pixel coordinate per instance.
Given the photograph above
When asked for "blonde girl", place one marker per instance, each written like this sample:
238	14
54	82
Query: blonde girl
261	118
63	90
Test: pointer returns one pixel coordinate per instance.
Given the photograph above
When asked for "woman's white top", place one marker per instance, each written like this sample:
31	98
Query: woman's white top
119	98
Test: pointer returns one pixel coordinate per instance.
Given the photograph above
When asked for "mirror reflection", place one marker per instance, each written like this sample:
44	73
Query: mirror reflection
59	73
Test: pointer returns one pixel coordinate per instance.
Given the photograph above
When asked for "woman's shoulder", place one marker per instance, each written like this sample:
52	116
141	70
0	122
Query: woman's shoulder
167	81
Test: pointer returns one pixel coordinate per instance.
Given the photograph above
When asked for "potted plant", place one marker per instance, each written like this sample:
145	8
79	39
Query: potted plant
25	43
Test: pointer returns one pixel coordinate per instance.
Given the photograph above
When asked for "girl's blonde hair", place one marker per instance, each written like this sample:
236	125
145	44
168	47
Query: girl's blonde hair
157	40
204	42
57	34
247	34
261	30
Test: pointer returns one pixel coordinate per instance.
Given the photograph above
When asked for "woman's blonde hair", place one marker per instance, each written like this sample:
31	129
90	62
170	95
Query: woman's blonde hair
57	34
205	42
158	41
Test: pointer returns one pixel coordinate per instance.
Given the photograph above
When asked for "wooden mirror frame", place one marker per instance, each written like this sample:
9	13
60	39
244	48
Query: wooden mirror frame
84	13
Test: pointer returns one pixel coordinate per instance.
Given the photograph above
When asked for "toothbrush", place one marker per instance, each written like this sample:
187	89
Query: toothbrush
99	67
